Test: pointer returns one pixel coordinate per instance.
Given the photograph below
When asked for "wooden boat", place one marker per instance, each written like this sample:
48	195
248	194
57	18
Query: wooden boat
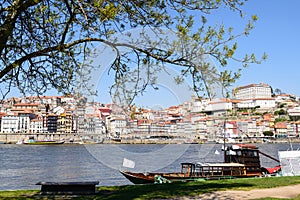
116	139
241	161
32	141
42	142
39	142
189	172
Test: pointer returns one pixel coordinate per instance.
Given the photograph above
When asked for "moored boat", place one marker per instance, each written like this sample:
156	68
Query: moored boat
20	142
43	142
240	161
32	141
190	172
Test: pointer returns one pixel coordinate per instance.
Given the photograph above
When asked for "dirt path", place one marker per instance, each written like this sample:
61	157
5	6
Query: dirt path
279	192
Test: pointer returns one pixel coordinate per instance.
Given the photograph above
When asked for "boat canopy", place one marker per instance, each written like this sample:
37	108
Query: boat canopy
221	164
243	146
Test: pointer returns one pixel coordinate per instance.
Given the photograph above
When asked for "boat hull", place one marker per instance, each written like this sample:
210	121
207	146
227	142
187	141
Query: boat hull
146	178
44	142
150	178
139	178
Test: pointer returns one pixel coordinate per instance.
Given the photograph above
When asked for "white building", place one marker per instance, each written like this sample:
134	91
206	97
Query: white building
252	91
197	105
263	103
200	105
282	98
36	126
219	106
294	112
185	128
15	124
201	128
117	125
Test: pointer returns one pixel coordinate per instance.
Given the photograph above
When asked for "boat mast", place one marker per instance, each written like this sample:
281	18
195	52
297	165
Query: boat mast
224	138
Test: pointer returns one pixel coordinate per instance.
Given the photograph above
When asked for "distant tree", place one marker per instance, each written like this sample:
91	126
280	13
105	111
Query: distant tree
258	113
280	112
282	105
47	44
278	91
268	133
281	119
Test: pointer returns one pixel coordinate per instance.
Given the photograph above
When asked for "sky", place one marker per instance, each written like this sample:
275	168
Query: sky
277	32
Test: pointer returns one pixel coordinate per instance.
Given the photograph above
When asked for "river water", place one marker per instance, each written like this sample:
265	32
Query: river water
22	166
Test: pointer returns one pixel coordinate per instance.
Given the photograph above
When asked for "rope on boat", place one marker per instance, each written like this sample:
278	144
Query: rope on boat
269	156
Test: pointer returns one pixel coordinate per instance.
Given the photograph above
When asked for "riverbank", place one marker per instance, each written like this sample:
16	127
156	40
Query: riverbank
235	189
182	141
13	138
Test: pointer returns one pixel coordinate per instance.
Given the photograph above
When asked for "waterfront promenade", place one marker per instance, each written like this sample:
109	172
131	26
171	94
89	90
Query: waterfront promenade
13	138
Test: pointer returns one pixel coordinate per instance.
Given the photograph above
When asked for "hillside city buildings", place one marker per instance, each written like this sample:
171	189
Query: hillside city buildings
254	111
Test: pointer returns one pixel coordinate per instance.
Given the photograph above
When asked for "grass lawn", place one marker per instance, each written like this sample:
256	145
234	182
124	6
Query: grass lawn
163	191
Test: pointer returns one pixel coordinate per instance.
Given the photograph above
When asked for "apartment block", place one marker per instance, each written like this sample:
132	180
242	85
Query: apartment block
15	124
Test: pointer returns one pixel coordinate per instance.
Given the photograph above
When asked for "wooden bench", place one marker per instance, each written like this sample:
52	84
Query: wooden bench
68	187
